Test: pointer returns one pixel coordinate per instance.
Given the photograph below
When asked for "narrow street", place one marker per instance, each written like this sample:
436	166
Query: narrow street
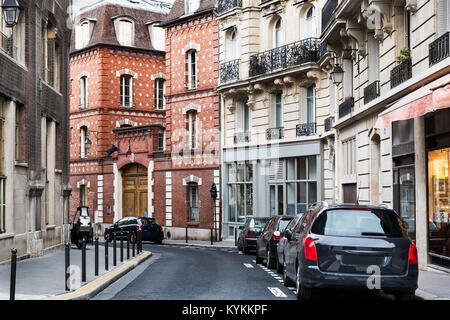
194	273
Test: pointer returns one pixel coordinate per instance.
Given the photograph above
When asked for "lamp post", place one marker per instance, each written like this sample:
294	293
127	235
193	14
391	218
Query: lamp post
11	12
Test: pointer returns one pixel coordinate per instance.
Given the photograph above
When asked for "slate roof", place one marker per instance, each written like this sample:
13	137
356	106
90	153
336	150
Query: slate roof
177	11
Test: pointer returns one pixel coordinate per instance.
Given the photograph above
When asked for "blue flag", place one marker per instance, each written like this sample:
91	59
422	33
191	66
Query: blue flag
112	150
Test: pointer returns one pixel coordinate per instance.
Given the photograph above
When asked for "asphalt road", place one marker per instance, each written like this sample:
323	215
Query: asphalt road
193	273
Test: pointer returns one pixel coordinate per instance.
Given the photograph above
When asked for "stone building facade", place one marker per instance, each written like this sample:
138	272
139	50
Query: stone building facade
117	67
34	122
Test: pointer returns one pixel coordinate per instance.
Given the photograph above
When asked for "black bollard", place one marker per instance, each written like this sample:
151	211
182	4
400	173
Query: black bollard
114	250
186	234
96	256
67	253
140	241
83	261
106	254
128	245
133	243
235	237
121	246
211	236
12	288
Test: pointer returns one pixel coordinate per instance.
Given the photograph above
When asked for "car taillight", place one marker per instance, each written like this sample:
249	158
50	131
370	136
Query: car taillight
310	249
412	255
160	228
277	236
250	233
139	228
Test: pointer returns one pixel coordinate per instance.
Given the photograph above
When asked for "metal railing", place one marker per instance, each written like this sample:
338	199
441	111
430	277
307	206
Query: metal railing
346	107
227	5
242	137
439	49
229	71
328	123
372	91
289	55
275	133
306	129
328	12
401	73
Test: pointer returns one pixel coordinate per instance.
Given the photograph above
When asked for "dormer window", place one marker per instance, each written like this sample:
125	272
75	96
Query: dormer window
124	31
82	35
190	6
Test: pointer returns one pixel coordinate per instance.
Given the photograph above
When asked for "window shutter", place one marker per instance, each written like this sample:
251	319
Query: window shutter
443	16
303	105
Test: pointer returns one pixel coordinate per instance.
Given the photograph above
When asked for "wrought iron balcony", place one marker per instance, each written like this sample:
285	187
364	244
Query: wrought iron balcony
328	123
229	71
242	137
328	12
227	5
306	129
372	91
439	49
275	133
289	55
401	73
346	107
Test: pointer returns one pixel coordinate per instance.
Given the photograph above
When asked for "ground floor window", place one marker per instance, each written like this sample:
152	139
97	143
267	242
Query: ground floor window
193	201
240	191
292	185
83	195
405	202
438	202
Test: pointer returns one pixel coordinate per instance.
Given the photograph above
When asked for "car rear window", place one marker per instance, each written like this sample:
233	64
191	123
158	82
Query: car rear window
148	221
351	222
283	224
258	223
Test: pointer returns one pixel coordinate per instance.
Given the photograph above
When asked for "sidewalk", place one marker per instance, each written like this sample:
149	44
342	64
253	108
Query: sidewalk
43	278
434	285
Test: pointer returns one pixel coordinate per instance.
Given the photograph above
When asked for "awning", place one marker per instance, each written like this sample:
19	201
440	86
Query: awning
429	98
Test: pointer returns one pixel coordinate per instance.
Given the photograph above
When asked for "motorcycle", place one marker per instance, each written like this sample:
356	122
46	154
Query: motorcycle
81	227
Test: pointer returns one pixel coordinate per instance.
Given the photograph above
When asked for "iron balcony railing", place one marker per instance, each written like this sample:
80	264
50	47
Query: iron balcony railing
229	71
289	55
227	5
372	91
439	49
328	13
346	107
401	73
242	137
306	129
328	123
275	133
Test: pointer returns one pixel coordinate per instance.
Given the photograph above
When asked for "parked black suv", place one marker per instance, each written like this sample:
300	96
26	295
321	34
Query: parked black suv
150	229
266	245
351	246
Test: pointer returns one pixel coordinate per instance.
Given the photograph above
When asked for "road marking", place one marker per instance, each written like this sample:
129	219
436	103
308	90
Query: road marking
248	265
277	292
277	277
254	261
240	252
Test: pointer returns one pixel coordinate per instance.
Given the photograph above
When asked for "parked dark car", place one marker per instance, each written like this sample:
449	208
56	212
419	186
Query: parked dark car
346	246
267	243
252	229
283	241
151	230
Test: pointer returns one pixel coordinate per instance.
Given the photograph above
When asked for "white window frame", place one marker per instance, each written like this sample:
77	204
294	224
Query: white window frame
158	83
83	136
84	34
83	92
233	48
276	119
193	186
190	6
122	90
192	69
120	36
308	25
278	33
193	129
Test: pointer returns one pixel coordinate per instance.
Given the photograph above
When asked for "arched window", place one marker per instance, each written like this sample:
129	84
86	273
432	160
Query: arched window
308	24
83	92
125	36
278	34
83	140
126	90
192	69
190	6
232	45
84	34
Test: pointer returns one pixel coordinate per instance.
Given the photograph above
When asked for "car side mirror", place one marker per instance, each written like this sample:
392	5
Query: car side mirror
288	234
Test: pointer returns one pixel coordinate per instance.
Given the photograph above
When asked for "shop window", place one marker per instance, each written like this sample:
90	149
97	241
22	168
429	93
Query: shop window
240	191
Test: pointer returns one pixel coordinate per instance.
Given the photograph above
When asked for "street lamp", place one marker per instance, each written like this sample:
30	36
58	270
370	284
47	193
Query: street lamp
11	12
337	74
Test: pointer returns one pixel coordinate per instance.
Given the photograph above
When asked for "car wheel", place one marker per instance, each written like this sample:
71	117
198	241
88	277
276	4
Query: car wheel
245	250
259	260
269	263
286	281
302	292
238	246
405	295
158	241
279	267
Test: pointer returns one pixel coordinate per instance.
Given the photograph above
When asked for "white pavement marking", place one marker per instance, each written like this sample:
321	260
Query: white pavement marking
240	252
248	265
277	292
254	261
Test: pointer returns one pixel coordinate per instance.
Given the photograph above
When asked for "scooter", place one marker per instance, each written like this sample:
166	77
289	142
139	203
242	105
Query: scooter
81	227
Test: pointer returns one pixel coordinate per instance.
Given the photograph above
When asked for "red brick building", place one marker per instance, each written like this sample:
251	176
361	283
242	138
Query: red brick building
117	67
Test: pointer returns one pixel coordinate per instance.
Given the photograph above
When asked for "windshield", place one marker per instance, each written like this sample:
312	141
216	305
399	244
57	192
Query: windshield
283	224
258	223
351	222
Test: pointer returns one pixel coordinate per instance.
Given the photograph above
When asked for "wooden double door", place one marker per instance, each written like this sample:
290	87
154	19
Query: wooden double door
134	190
